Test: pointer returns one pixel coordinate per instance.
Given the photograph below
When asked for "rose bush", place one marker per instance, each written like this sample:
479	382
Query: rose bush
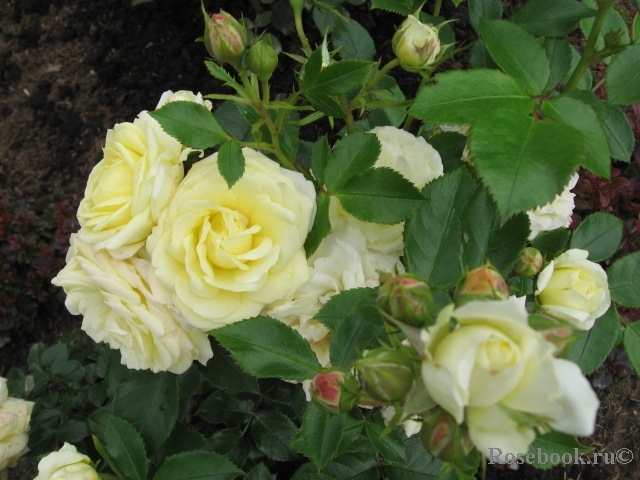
66	464
500	376
221	254
573	288
15	415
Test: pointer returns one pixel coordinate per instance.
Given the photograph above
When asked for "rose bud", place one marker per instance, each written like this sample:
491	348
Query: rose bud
560	333
444	438
225	38
262	58
416	44
483	283
335	391
530	262
406	298
387	375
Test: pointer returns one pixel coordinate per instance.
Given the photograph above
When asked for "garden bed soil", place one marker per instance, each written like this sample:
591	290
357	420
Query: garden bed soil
70	70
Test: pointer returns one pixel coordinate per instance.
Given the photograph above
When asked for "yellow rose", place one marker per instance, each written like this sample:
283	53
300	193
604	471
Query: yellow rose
15	414
130	186
66	464
498	375
221	254
119	308
573	288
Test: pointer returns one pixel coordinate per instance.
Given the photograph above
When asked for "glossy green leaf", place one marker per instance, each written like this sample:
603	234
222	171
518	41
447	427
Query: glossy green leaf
420	465
350	466
624	280
231	162
553	442
126	449
622	78
390	446
551	243
339	78
479	56
460	96
590	351
600	234
402	7
558	52
222	372
631	342
351	336
344	304
581	116
260	472
380	195
321	225
266	347
551	18
521	57
522	161
353	40
320	154
351	155
479	9
433	236
272	432
197	465
191	123
586	80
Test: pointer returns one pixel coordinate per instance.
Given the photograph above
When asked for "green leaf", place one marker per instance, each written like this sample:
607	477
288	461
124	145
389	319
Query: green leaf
521	57
339	78
355	333
197	465
545	445
380	195
450	146
222	372
260	472
126	449
391	446
420	465
552	243
231	162
591	350
622	78
461	96
479	56
266	347
433	235
479	9
311	70
321	225
600	234
326	105
348	302
558	52
353	40
320	155
350	466
351	155
624	280
322	436
524	162
220	73
581	116
191	123
613	24
586	80
551	18
635	29
272	432
150	402
631	341
402	7
229	115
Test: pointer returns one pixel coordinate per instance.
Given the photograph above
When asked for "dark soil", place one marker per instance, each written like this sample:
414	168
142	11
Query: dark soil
70	70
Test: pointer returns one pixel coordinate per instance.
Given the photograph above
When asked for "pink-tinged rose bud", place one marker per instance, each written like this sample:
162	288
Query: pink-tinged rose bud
530	262
387	375
558	332
407	299
444	438
335	391
262	58
225	38
483	283
416	44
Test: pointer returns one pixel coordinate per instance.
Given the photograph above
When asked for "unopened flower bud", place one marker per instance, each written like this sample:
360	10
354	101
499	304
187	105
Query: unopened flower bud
416	44
483	283
335	391
559	333
225	38
530	262
386	375
444	438
406	298
262	58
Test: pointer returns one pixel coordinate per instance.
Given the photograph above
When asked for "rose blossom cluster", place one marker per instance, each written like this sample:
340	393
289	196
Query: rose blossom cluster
15	415
163	257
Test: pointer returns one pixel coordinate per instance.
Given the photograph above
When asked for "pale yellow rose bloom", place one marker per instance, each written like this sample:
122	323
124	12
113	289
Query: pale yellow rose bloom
15	415
500	377
574	289
130	186
408	155
556	213
221	254
119	308
184	96
66	464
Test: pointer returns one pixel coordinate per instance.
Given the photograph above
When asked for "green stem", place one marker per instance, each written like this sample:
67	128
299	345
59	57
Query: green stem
589	49
265	92
301	35
346	108
382	73
436	8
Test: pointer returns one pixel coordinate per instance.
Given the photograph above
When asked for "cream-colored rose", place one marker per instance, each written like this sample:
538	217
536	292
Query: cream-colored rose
555	214
221	254
416	44
498	375
185	96
574	289
119	308
342	262
130	186
408	155
15	415
66	464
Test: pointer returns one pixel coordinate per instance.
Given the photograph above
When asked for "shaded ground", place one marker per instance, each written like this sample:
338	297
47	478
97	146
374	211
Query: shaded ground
71	69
